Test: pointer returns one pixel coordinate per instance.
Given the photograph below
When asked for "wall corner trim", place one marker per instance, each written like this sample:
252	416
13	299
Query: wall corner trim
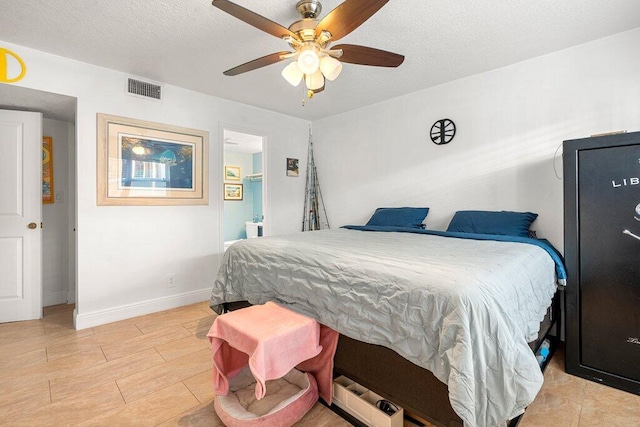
100	317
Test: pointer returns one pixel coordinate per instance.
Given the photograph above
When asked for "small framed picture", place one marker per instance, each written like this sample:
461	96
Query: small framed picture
233	191
232	173
292	167
47	170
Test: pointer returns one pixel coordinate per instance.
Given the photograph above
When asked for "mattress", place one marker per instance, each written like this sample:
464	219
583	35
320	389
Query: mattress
462	308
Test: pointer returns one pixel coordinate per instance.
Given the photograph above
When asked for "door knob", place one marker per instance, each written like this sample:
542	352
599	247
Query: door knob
32	225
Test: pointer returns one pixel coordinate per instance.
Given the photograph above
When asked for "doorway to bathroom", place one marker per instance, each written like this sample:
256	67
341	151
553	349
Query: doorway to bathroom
243	193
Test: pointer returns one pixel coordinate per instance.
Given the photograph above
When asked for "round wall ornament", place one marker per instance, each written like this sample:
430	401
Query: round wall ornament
443	131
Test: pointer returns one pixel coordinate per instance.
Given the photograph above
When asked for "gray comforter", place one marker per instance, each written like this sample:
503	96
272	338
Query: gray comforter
463	309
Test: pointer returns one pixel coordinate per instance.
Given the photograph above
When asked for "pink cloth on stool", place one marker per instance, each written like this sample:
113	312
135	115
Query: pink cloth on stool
272	340
321	366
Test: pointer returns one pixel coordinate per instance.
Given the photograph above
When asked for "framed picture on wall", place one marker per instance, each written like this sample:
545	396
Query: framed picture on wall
145	163
233	191
292	167
47	170
232	173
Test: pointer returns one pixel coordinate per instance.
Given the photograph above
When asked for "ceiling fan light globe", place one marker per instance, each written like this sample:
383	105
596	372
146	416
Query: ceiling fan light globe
308	60
292	74
314	81
330	67
139	150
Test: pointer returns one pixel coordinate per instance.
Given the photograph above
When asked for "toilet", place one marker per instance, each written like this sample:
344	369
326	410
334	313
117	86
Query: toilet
254	229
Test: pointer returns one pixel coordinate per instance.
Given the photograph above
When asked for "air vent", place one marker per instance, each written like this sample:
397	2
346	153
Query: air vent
145	89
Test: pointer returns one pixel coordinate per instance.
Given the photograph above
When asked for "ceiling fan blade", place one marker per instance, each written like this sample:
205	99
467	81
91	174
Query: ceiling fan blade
252	18
256	63
363	55
348	16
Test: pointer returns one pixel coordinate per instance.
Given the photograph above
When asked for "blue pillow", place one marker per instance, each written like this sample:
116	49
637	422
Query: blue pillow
486	222
399	217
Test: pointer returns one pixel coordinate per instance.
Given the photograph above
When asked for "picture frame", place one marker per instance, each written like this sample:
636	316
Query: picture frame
233	191
48	192
143	163
232	173
292	167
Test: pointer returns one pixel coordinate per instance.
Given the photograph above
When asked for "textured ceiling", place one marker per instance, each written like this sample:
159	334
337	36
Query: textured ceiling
189	43
241	142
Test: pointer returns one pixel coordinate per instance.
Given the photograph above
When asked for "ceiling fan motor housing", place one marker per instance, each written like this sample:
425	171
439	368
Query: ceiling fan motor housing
309	8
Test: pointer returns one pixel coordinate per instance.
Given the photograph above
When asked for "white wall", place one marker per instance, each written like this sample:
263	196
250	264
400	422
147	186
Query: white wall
58	261
126	253
510	122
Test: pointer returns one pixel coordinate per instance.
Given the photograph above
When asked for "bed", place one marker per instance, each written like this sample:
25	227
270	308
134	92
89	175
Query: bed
439	322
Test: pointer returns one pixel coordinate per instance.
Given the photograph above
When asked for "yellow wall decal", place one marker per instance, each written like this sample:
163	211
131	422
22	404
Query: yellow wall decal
5	77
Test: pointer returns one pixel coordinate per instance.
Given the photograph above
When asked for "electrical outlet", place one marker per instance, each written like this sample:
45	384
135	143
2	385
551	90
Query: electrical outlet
171	281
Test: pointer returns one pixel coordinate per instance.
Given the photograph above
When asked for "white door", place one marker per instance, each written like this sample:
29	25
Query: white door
20	215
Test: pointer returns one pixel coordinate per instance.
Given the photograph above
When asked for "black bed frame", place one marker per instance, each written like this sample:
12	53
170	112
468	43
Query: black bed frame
417	390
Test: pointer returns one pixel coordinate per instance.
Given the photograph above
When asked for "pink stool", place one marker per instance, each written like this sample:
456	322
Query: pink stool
270	338
262	343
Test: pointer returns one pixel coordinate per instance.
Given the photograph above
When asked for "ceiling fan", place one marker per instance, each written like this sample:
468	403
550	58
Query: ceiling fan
314	59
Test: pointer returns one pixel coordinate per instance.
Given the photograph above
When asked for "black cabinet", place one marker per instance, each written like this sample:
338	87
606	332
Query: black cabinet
602	255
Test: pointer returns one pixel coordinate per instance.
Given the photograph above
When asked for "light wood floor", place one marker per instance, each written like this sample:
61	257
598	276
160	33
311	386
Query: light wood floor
156	370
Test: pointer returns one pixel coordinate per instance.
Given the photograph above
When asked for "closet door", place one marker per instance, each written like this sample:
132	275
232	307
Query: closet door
608	193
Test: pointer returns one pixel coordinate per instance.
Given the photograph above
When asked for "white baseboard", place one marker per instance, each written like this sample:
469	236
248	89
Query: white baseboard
54	298
100	317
